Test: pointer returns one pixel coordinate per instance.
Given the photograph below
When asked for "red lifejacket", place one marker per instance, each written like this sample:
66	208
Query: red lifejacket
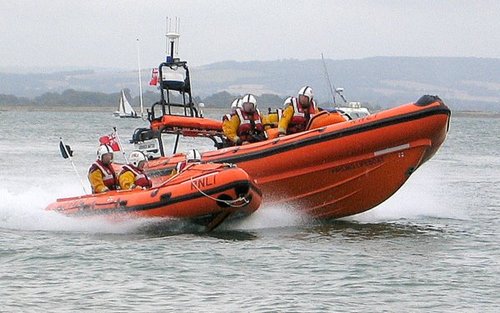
300	116
183	165
180	166
108	174
250	124
140	178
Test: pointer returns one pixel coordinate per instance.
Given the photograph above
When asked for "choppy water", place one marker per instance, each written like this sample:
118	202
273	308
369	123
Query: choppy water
433	247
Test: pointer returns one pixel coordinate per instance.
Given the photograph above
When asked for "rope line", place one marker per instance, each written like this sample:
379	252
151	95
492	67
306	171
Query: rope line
231	203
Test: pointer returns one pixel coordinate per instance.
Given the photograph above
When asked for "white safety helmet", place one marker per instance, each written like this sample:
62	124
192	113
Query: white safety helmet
287	102
249	99
193	156
102	150
306	91
137	157
236	103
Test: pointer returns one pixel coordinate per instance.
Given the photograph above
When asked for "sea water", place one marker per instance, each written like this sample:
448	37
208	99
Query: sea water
432	247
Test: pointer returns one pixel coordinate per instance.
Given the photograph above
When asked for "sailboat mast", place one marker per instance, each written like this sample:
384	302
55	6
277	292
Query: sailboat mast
140	81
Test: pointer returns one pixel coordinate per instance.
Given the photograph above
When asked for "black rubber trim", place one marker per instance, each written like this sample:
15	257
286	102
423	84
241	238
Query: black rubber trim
165	199
303	142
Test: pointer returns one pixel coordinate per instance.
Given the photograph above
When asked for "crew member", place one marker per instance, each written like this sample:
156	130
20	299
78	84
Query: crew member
298	113
235	104
272	119
246	124
101	175
193	156
132	175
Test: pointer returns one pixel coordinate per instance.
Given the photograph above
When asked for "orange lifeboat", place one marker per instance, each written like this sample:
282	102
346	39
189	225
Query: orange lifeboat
335	168
206	194
338	168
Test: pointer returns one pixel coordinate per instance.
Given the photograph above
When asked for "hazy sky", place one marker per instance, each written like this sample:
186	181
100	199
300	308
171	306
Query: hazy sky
103	33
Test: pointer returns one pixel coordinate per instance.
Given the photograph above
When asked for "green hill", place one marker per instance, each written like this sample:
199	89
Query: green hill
464	83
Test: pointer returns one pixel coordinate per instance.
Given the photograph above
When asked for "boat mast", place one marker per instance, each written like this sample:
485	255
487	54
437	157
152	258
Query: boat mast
330	85
172	38
172	42
140	81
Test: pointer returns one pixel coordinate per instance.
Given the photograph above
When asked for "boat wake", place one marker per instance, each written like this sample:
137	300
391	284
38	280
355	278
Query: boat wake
422	197
25	210
272	216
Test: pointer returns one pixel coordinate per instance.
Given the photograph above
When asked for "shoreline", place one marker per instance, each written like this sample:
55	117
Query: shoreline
111	109
56	108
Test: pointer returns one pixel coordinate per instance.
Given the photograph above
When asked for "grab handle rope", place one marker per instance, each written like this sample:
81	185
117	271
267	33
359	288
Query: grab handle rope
174	176
231	203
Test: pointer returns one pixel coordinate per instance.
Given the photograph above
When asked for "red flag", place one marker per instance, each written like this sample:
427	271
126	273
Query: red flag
154	77
111	141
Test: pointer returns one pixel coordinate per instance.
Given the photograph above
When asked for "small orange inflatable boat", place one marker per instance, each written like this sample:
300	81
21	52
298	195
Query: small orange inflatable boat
206	194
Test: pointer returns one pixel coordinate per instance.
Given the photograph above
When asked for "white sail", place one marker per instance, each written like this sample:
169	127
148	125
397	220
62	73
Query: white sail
127	108
124	107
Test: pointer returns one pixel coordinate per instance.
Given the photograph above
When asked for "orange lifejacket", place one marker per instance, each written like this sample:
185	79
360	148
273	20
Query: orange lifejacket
300	116
140	178
108	175
250	126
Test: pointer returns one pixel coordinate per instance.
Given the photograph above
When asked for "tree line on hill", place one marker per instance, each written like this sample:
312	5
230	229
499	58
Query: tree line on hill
463	83
71	97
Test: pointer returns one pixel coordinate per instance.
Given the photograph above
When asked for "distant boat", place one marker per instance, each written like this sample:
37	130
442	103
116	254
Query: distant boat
124	108
354	110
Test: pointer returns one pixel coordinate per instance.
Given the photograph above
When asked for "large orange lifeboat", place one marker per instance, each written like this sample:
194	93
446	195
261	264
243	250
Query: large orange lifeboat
336	169
206	194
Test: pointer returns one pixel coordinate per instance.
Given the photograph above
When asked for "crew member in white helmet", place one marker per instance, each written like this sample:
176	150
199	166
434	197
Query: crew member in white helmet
101	175
246	124
234	105
132	175
193	156
298	113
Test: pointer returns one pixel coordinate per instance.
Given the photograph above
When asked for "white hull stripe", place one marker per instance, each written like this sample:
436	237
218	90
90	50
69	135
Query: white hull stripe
390	150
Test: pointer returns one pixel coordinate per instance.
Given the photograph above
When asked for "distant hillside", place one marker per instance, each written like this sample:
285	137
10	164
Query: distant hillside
464	83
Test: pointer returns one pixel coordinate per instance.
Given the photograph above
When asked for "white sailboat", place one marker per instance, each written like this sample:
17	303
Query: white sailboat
124	108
